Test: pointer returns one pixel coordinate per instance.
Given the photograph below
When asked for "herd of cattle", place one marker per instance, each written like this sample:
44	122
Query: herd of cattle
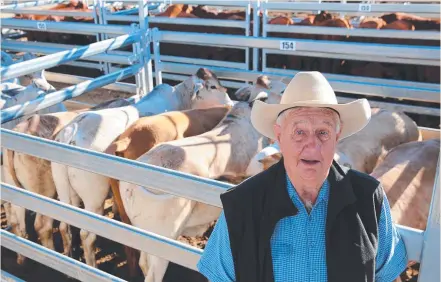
392	21
192	127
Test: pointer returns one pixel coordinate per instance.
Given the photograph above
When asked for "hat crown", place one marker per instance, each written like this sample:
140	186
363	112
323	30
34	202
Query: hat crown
309	86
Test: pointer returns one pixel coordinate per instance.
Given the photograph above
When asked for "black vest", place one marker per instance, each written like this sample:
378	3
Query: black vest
253	208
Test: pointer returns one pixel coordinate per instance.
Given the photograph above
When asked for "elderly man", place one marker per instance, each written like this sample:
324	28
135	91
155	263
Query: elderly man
306	218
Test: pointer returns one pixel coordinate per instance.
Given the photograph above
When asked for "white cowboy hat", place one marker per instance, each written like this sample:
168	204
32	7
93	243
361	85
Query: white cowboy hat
311	89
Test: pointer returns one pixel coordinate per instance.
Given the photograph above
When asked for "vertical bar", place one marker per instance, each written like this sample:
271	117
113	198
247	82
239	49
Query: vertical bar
140	79
264	34
145	45
256	29
137	54
430	260
103	20
156	51
247	33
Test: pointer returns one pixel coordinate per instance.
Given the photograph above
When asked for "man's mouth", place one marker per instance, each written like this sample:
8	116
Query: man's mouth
310	161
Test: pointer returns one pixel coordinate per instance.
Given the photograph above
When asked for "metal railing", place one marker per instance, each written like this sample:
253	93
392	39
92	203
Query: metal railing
412	91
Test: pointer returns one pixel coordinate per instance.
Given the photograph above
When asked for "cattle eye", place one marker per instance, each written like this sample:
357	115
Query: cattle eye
213	87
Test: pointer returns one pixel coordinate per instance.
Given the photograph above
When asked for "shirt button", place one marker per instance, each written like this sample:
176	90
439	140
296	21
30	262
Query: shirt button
312	244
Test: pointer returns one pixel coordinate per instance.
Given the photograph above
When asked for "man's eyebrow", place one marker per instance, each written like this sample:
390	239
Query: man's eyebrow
328	123
299	121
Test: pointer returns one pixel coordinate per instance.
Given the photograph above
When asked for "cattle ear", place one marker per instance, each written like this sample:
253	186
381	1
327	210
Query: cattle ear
204	73
263	80
262	96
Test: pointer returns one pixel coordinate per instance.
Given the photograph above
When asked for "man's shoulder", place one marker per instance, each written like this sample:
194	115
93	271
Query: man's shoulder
364	184
254	185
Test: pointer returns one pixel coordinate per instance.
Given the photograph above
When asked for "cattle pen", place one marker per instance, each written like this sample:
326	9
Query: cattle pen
125	52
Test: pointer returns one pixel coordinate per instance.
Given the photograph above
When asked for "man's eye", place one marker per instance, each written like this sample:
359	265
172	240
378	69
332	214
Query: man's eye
299	132
323	132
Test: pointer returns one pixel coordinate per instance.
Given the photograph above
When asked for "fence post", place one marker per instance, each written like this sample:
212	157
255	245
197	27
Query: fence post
102	20
146	71
256	31
138	58
156	51
430	260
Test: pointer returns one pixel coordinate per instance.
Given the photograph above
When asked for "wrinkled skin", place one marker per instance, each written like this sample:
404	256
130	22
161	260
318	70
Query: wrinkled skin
308	140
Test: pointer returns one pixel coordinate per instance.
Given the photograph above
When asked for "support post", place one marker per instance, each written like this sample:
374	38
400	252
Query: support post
102	20
145	45
430	260
256	31
156	50
247	33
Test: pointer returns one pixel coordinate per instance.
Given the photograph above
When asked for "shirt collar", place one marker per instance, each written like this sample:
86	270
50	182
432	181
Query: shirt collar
295	198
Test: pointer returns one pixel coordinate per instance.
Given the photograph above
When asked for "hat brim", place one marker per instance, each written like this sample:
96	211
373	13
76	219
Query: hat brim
354	115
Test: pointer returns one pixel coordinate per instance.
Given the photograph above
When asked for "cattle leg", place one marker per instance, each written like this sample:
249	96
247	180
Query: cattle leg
131	253
43	226
66	195
157	269
82	181
18	226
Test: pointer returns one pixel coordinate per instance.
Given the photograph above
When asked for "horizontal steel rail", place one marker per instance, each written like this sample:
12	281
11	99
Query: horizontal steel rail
53	259
232	3
408	108
432	9
75	79
46	48
206	62
340	83
7	277
48	12
67	27
119	232
158	178
53	60
371	58
65	94
31	4
362	32
365	51
190	186
198	22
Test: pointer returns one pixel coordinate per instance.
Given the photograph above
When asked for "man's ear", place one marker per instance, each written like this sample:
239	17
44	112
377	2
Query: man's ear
277	129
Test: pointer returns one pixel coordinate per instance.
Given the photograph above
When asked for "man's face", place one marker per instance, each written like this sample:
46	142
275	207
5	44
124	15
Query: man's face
308	140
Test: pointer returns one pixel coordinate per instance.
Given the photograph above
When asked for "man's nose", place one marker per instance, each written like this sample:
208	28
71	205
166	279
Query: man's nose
313	142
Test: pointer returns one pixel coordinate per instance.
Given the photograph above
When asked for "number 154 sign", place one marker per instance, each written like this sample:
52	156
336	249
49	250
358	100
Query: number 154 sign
288	45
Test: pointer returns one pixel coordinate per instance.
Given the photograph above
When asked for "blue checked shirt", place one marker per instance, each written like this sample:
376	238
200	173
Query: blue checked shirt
298	245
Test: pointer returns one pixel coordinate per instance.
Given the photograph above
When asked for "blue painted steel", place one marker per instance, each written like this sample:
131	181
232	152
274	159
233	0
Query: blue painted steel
95	217
10	277
63	57
65	94
54	254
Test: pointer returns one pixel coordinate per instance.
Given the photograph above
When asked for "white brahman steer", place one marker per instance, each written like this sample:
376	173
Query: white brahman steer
147	132
386	130
273	88
34	174
96	130
224	151
407	174
365	149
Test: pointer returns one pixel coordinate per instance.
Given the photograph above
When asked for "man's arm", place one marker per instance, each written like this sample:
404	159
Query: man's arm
216	262
391	258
